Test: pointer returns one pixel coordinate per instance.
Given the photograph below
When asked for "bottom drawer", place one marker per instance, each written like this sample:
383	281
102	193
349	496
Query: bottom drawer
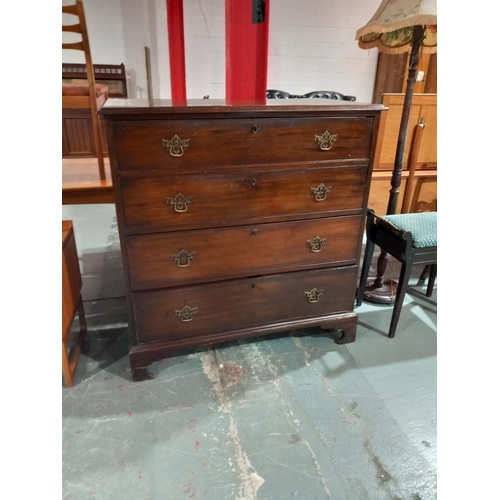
192	311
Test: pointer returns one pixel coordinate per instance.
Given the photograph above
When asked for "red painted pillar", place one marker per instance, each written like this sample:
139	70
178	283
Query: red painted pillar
246	53
175	24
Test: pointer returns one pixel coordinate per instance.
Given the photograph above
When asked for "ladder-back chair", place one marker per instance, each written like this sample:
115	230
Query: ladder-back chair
88	95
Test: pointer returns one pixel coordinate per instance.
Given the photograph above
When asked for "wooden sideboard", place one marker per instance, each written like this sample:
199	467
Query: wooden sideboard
238	221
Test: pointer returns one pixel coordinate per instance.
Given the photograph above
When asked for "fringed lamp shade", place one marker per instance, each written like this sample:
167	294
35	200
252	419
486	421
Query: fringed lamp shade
391	27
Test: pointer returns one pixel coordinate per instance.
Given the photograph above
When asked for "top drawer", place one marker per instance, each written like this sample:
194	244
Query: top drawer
175	145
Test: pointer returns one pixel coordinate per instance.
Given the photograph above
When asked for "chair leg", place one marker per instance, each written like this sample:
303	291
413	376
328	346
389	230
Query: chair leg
423	276
367	260
432	279
68	379
404	278
98	145
69	364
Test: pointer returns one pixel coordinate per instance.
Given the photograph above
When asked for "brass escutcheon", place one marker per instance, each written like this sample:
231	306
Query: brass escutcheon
320	193
180	202
176	145
183	258
186	313
325	141
313	295
316	244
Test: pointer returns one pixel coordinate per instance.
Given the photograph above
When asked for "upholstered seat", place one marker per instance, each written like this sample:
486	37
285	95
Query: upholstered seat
422	226
411	239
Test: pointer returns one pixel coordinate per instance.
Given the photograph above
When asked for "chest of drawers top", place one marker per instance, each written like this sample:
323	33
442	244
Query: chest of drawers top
148	134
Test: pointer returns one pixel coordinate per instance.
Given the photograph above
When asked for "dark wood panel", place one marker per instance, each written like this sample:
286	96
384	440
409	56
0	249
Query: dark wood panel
141	144
221	200
390	76
172	259
239	304
431	77
77	133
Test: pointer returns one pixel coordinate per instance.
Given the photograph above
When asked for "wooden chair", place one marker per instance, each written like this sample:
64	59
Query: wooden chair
87	95
71	302
409	238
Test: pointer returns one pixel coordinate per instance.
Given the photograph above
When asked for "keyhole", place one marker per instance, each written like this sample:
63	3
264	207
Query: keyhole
254	232
255	129
254	182
253	286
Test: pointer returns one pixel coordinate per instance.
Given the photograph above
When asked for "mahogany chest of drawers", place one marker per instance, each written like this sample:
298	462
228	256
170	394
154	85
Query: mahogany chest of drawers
237	221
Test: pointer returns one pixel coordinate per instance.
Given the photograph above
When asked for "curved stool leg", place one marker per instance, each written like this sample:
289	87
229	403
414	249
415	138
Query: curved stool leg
432	280
404	278
367	260
423	276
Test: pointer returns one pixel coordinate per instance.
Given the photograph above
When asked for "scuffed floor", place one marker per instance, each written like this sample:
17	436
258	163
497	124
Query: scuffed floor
281	417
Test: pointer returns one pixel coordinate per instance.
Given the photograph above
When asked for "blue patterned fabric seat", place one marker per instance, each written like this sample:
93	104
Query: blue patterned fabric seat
422	226
409	238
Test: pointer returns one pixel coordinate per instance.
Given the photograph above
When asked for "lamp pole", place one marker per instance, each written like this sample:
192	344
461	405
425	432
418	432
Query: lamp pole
382	291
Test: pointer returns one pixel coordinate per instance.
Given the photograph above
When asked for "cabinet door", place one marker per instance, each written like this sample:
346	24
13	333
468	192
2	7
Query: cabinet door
424	106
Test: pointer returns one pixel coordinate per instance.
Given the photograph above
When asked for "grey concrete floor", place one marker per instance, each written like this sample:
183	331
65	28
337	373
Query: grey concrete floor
281	417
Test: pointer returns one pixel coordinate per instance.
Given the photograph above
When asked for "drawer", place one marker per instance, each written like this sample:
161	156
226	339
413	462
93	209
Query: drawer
195	201
178	258
176	145
193	311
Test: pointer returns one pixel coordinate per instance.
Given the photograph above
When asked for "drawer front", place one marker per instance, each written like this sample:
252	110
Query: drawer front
176	145
195	201
178	258
193	311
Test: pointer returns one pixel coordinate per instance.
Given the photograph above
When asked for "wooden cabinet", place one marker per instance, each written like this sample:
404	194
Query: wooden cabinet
420	155
238	221
390	85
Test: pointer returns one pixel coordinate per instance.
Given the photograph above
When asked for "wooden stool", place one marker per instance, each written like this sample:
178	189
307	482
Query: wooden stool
71	301
411	239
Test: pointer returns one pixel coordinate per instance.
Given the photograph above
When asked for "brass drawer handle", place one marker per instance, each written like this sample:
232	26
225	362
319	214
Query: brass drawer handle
176	145
313	295
180	202
187	313
183	258
316	244
325	141
320	193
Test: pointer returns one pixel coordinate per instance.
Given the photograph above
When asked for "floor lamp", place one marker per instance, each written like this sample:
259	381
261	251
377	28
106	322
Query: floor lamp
397	27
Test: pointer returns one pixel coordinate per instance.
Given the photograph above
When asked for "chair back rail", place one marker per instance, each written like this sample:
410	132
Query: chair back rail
70	101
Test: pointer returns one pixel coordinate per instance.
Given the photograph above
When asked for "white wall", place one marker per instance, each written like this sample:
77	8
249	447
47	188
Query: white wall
311	45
